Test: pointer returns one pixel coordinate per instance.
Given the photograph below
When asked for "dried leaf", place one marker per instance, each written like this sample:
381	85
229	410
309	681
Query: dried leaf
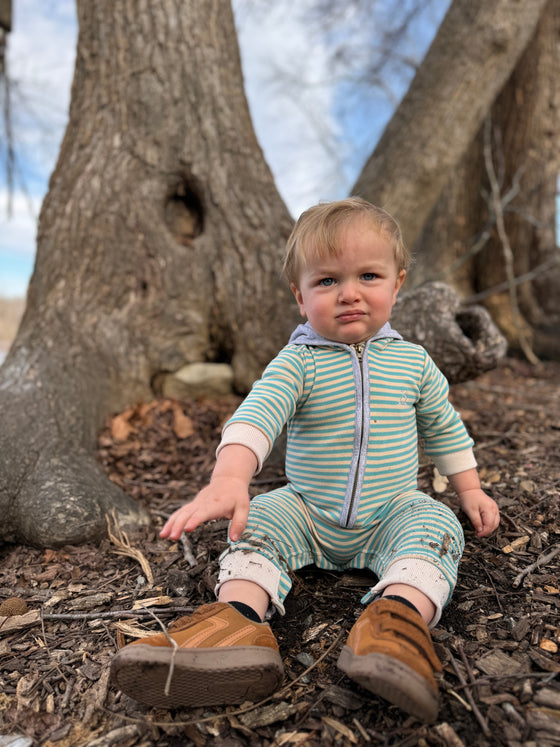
26	691
268	715
516	544
293	738
121	427
123	546
182	425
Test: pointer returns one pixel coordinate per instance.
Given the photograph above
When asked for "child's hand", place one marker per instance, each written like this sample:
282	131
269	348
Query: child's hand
226	497
481	509
222	498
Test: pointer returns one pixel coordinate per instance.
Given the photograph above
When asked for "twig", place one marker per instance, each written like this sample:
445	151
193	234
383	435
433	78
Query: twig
541	560
49	654
188	554
480	718
491	580
123	547
519	280
506	246
143	612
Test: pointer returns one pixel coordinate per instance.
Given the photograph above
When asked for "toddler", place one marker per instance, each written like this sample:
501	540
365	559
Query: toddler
355	397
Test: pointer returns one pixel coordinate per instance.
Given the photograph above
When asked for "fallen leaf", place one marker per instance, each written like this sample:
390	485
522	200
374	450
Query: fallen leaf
182	425
121	427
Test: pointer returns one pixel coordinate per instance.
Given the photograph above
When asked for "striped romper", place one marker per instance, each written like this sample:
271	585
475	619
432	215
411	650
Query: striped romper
353	415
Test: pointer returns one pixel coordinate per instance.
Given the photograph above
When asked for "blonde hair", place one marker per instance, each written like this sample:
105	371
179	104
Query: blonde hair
315	233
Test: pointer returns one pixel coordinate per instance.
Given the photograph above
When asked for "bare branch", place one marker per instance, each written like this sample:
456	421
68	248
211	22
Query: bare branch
519	280
496	206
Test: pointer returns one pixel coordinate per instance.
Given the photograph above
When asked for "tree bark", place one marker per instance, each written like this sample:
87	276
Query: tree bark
473	54
159	244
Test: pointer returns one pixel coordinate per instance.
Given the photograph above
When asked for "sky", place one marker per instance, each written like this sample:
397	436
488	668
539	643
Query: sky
314	140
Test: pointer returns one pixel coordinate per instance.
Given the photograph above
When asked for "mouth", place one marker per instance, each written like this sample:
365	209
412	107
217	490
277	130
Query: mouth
350	316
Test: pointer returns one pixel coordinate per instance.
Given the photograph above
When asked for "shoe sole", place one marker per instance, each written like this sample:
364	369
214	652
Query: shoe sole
392	680
201	676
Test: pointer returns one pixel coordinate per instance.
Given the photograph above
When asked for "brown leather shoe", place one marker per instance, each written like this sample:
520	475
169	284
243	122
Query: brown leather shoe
389	651
221	658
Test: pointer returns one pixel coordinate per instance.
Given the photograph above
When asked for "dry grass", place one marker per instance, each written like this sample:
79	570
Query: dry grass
11	310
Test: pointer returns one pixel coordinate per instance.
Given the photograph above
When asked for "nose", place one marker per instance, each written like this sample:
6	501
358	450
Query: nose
348	292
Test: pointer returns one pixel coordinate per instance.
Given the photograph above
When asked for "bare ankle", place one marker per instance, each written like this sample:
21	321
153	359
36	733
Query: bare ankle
247	592
423	604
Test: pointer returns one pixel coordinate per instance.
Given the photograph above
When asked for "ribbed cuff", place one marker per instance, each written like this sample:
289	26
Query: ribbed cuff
422	575
459	461
247	435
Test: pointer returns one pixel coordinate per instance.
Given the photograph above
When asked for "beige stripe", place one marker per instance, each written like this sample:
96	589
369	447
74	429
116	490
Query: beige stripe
215	625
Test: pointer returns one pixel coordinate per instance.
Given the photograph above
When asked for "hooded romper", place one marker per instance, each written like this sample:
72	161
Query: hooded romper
354	414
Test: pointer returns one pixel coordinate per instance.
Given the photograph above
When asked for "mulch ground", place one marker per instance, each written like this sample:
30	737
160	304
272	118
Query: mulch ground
498	639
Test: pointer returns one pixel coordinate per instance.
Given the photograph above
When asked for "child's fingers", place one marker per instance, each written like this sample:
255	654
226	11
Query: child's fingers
238	521
489	522
174	526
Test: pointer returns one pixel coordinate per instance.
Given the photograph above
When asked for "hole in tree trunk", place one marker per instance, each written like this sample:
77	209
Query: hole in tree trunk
184	214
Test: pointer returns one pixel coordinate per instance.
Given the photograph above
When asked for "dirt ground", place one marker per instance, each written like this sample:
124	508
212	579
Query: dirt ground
498	639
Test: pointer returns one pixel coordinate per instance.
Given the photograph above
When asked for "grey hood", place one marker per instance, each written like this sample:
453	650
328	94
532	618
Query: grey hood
304	334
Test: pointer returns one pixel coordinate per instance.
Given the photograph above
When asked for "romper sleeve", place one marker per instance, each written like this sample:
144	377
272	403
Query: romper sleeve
272	401
446	440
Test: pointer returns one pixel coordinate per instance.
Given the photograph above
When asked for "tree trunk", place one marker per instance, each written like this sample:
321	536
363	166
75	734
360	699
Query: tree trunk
471	57
159	244
526	126
460	244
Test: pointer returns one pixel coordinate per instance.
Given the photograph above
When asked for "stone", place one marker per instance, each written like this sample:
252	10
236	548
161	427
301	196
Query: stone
195	380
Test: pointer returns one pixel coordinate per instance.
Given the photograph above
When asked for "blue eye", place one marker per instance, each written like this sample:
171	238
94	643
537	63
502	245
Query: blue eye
326	282
369	276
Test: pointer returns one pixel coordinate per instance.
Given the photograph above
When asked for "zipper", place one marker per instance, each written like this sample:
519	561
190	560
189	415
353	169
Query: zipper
359	349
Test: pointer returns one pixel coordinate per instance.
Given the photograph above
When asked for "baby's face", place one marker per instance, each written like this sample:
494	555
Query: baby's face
348	297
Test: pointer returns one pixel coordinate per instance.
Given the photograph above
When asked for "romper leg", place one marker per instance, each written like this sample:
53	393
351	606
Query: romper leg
419	543
278	539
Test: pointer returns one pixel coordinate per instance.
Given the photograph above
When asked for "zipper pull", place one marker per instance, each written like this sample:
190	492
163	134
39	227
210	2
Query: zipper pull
359	347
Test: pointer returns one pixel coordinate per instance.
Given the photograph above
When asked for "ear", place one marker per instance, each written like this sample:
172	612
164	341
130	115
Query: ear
299	298
398	284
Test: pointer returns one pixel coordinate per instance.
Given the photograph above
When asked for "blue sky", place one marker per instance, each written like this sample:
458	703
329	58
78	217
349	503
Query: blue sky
315	143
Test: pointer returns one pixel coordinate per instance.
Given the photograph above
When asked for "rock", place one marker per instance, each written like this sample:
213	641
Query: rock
463	340
196	379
